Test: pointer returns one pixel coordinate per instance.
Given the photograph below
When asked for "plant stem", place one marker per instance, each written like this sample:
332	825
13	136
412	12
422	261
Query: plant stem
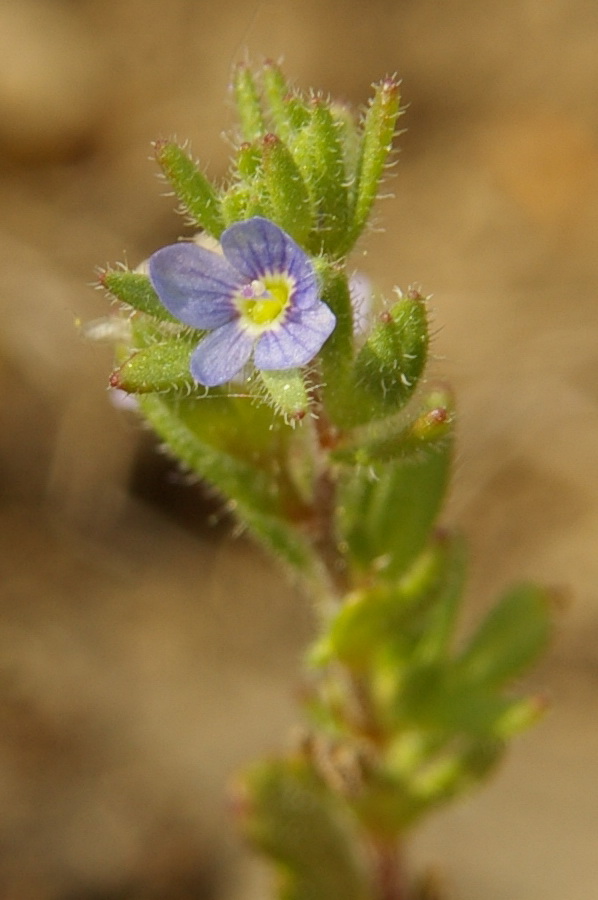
389	880
324	539
324	527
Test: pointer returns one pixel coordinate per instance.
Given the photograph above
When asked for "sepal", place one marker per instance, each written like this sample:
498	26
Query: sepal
247	100
244	200
249	160
287	391
320	156
197	195
384	375
378	132
288	113
158	368
287	195
276	93
135	289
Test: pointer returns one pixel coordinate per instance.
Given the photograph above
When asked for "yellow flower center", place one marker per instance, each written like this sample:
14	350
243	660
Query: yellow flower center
262	302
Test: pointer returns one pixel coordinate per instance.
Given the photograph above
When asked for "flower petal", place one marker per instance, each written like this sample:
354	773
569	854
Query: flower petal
258	247
297	340
221	354
194	284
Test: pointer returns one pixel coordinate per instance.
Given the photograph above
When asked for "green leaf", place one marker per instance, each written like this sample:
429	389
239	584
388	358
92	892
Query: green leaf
386	512
511	637
434	698
135	289
436	635
197	195
387	624
390	440
389	366
452	773
387	369
292	818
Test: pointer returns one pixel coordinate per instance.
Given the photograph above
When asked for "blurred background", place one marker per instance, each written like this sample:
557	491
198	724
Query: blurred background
145	653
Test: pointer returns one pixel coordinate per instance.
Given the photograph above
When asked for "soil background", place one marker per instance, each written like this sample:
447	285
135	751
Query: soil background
145	652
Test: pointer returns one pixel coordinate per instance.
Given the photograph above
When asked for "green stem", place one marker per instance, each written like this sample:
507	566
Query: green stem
325	539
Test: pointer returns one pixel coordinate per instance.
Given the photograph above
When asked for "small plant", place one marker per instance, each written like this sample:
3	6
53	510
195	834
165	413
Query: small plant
265	371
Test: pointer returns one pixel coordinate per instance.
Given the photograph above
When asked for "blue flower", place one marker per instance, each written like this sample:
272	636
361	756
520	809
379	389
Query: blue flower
261	296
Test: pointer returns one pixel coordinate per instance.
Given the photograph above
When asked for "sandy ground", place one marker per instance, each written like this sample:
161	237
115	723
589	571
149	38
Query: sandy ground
144	653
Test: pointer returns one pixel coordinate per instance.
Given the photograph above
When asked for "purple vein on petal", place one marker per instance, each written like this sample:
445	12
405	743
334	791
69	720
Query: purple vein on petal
221	355
257	246
194	284
297	341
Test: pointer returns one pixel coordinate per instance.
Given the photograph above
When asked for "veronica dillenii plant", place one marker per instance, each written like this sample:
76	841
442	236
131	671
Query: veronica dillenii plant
335	452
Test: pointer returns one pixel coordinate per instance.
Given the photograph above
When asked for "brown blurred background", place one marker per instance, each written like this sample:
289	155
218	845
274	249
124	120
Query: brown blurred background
144	652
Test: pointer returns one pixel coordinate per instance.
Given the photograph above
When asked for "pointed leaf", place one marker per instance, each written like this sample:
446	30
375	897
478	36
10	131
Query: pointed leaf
512	636
293	819
386	512
389	440
389	366
388	624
